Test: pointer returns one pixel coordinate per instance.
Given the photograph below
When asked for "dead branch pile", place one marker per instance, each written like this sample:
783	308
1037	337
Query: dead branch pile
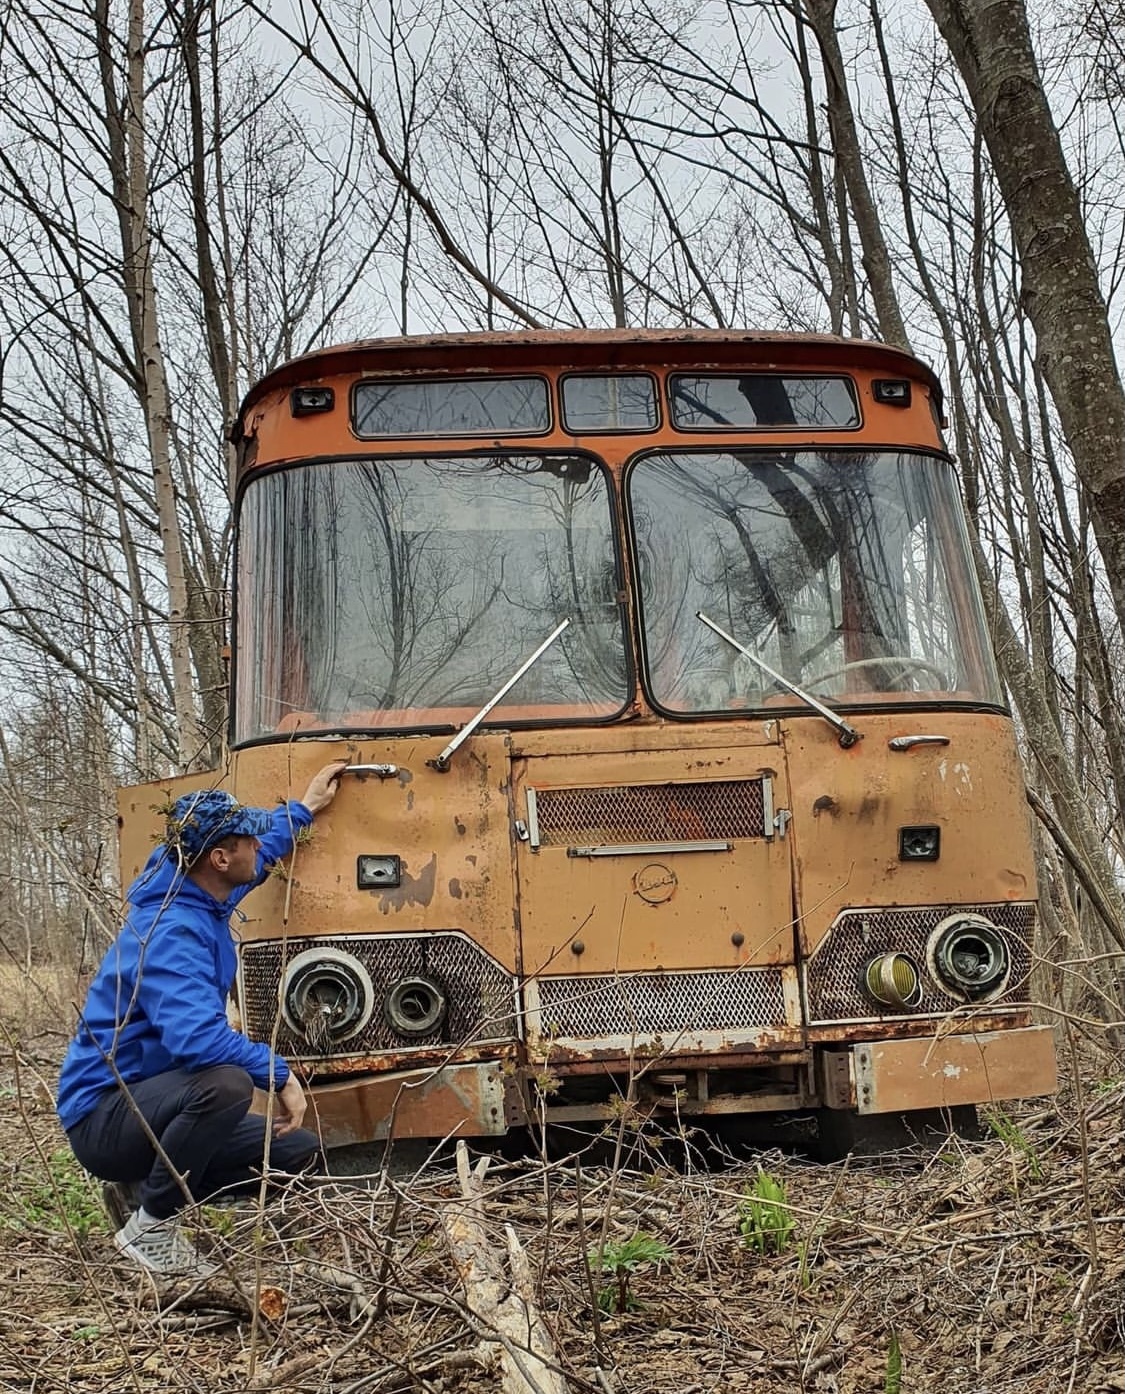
995	1267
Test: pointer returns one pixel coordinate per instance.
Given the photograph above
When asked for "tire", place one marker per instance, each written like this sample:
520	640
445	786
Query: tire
841	1133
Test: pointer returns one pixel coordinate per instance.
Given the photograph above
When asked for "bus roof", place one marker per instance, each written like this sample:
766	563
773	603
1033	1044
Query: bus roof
586	349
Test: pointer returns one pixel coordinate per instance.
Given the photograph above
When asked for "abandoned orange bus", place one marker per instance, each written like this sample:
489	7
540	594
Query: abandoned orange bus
680	774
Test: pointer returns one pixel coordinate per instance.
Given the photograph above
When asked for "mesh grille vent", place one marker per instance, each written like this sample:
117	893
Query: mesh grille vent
481	995
662	1004
834	975
651	812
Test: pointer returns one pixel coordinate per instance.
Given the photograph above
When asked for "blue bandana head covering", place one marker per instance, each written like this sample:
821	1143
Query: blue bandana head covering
199	820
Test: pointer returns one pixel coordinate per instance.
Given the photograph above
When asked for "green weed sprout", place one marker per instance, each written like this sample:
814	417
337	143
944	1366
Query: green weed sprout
764	1221
1013	1136
621	1261
892	1383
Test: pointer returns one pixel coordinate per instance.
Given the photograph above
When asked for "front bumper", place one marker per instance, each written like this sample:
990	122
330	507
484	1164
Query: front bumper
447	1101
941	1071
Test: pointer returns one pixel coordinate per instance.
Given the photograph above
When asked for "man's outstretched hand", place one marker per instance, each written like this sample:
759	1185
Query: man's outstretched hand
323	786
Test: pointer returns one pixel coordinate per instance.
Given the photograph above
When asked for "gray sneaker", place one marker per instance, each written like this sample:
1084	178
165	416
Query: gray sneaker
161	1246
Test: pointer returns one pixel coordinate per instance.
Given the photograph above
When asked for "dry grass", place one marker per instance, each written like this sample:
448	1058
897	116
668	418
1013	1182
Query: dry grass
996	1267
37	1003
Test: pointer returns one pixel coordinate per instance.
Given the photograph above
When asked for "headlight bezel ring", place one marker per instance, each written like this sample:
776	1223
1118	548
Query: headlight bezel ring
317	967
415	1006
954	943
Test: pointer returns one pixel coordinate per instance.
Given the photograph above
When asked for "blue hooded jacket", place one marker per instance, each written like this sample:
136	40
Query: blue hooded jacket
159	998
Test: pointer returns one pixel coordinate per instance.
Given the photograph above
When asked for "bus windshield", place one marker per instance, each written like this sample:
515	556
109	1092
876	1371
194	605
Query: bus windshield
847	572
401	593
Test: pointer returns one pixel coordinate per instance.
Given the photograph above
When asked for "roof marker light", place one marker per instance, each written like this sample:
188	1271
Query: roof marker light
306	401
895	392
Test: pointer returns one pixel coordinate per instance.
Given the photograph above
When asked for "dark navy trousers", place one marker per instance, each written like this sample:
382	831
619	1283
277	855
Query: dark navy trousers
204	1128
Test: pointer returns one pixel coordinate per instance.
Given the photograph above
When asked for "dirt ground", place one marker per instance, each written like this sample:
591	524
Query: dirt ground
993	1267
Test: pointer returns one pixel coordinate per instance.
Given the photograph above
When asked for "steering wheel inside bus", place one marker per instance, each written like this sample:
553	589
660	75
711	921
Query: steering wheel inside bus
905	663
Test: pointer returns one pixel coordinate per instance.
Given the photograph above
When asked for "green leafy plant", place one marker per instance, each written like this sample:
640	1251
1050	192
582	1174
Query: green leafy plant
547	1083
764	1221
218	1219
621	1261
301	838
65	1197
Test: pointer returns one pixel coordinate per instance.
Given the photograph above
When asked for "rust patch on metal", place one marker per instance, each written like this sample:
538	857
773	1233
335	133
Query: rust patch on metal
415	890
569	1059
568	1064
899	1028
389	1061
825	804
457	1100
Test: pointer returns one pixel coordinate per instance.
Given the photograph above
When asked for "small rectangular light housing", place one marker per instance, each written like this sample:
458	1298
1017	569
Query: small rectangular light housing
921	844
375	871
307	401
894	392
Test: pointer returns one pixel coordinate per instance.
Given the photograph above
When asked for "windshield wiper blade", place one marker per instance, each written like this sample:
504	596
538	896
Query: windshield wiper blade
848	734
441	762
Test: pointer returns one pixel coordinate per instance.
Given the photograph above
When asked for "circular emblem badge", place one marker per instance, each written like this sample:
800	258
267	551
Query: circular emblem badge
655	883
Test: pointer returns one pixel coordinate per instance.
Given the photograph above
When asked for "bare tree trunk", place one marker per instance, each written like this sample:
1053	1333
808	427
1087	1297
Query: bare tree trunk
125	126
845	140
991	43
841	288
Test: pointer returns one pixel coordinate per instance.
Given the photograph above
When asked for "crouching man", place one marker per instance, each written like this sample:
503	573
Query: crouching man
155	1056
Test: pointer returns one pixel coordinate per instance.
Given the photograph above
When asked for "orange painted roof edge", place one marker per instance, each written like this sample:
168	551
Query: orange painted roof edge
582	347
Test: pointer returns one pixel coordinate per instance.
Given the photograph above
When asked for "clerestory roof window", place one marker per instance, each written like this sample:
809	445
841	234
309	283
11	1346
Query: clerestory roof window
484	406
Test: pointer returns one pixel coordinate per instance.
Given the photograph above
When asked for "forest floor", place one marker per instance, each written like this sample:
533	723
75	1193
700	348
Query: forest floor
985	1267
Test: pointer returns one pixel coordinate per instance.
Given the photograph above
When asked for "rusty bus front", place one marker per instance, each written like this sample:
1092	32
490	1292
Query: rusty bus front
745	834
